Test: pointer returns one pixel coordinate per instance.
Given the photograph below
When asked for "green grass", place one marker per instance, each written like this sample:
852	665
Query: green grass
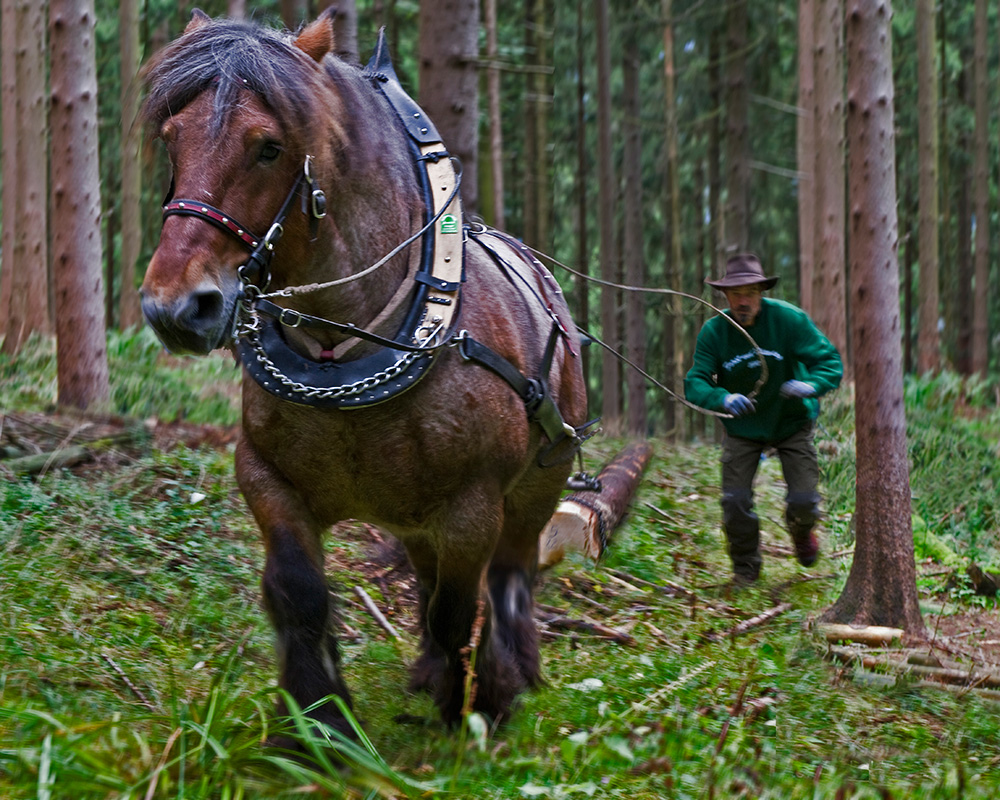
135	659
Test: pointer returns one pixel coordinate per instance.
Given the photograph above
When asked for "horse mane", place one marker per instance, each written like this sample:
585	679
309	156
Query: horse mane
230	57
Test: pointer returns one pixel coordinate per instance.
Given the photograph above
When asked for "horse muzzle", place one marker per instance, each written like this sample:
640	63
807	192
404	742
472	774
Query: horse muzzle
192	324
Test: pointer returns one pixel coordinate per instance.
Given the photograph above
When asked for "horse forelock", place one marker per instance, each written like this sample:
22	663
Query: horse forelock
230	57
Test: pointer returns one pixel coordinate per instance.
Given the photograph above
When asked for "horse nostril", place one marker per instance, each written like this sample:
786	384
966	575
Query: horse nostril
202	310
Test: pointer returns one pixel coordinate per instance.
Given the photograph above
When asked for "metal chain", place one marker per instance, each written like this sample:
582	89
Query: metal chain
249	328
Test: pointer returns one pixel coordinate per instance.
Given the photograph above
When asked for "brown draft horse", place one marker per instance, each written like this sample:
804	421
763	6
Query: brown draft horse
272	130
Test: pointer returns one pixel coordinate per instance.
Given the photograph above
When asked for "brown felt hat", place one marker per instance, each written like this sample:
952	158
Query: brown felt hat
743	269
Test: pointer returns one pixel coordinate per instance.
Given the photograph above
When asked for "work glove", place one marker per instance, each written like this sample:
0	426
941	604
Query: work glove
798	389
739	405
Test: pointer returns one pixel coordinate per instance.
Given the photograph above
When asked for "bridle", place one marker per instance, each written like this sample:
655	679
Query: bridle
255	273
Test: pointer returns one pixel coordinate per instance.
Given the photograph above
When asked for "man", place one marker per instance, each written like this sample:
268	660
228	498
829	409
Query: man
802	365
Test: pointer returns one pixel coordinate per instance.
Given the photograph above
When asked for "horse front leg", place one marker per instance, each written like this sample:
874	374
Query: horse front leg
457	607
512	570
295	592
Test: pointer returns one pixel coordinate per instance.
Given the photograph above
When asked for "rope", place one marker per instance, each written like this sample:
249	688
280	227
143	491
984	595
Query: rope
292	291
655	290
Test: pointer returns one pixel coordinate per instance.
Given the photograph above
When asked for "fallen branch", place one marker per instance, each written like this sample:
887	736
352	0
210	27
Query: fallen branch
972	677
376	614
750	624
42	462
871	635
125	679
564	623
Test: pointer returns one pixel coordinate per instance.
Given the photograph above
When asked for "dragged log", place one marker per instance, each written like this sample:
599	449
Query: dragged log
585	519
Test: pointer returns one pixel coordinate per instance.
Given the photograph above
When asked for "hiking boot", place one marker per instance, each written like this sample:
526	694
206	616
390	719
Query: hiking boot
745	574
806	547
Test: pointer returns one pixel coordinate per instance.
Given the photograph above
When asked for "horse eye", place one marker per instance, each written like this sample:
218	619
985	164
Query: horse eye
269	153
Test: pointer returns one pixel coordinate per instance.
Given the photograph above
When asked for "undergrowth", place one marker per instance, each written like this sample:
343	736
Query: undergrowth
136	662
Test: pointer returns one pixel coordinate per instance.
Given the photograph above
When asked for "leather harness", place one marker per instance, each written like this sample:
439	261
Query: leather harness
429	323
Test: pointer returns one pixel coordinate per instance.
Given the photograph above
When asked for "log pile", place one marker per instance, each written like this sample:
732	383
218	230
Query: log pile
889	651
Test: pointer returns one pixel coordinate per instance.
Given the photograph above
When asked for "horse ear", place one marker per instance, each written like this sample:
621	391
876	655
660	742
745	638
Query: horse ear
198	18
316	39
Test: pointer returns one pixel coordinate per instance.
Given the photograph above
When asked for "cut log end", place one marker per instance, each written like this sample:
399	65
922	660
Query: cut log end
584	520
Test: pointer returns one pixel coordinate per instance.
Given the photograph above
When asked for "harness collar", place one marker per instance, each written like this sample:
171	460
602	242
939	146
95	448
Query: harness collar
428	323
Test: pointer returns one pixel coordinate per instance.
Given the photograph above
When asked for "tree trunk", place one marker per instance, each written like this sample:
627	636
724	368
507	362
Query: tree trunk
828	175
294	13
881	588
716	232
673	340
611	405
81	352
236	9
947	288
963	281
583	158
8	152
635	268
129	313
493	106
928	338
529	225
345	31
28	309
981	197
805	146
737	234
543	101
449	82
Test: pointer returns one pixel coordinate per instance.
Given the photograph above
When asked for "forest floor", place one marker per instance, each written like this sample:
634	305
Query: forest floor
662	678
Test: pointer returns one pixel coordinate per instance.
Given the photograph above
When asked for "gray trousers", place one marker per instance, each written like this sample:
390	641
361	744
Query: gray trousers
740	460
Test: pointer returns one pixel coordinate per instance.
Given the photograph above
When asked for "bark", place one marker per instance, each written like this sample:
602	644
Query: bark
737	234
717	218
635	267
928	338
963	282
294	13
947	288
583	157
611	406
8	153
345	31
805	143
529	226
449	82
493	107
543	102
881	587
81	353
828	174
673	340
236	9
131	223
585	519
981	197
28	307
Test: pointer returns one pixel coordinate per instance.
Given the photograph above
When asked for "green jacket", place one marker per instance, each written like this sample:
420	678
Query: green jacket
794	348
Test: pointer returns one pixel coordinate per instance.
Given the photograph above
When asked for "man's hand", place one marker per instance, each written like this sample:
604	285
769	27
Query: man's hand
739	405
798	389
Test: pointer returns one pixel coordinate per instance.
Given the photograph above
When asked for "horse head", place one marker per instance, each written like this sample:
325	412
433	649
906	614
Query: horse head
243	111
